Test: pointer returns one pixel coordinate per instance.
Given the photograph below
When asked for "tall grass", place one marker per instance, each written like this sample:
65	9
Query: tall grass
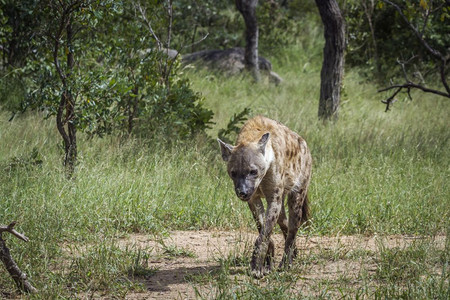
374	172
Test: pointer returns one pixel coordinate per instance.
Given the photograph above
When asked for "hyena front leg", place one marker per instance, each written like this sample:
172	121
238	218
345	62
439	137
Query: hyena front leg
295	205
257	209
263	243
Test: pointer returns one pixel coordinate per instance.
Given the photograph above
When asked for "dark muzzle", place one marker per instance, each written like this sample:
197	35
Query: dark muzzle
243	193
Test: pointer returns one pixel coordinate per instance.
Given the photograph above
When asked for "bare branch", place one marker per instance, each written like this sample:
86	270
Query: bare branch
17	275
169	28
196	42
10	229
408	86
425	22
443	77
432	51
439	58
142	11
167	66
415	86
437	8
389	101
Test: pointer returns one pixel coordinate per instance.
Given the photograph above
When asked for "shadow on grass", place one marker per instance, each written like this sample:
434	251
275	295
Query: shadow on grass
161	280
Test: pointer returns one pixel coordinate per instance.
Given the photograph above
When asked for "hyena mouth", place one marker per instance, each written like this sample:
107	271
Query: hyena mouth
244	196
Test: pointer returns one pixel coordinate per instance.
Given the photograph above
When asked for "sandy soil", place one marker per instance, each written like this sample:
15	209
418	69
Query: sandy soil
205	248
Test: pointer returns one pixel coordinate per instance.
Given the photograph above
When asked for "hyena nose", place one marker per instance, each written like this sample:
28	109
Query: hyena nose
243	194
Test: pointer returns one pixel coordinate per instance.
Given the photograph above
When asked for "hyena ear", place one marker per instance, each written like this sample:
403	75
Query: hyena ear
226	150
263	142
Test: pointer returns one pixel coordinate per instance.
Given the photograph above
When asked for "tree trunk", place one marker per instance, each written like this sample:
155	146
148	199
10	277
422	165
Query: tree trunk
66	108
333	58
369	11
248	10
133	102
71	155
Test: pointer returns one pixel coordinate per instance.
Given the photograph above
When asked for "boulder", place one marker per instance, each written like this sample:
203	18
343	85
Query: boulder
230	61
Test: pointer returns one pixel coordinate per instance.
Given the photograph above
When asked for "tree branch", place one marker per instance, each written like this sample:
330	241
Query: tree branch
10	229
389	101
17	275
415	86
432	51
439	58
443	78
141	10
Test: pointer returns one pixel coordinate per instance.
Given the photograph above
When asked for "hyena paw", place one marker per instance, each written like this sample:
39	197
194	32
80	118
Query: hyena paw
282	264
258	273
262	259
260	269
257	268
286	262
288	258
268	264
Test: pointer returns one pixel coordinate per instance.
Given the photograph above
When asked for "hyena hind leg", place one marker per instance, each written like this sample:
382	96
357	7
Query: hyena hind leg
282	219
297	203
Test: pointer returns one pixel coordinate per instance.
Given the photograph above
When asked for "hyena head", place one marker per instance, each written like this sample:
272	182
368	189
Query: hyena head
247	165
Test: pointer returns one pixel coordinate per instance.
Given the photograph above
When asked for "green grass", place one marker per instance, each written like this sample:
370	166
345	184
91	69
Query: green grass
374	173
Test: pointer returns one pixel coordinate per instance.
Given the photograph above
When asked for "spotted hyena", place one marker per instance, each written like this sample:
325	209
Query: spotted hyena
270	161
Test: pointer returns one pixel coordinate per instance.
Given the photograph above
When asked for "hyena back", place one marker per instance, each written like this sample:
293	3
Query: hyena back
270	161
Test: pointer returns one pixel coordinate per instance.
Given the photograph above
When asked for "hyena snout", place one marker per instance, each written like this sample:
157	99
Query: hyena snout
243	194
244	191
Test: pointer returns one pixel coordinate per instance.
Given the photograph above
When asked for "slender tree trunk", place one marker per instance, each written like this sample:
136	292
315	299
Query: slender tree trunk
66	109
71	155
132	108
248	10
333	58
369	6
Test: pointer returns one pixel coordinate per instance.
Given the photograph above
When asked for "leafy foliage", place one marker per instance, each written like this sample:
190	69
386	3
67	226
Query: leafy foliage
218	20
117	82
379	38
227	134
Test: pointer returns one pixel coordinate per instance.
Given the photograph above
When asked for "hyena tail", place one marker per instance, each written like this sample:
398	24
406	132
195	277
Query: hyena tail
305	208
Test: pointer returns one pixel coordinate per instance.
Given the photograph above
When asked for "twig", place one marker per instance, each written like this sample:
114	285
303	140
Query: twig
389	101
196	42
410	85
10	229
141	10
403	63
11	266
431	50
170	17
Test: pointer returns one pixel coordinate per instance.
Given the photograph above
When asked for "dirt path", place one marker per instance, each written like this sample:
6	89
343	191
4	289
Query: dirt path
186	254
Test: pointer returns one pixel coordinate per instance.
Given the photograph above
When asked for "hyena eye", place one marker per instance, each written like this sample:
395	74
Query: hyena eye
233	174
254	172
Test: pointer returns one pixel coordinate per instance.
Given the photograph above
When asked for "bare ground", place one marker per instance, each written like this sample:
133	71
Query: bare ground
190	254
